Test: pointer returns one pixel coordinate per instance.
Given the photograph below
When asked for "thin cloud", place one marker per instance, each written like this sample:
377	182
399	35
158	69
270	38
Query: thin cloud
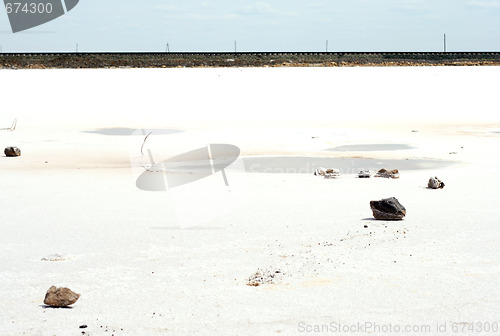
192	12
263	8
206	4
167	8
484	3
201	17
410	4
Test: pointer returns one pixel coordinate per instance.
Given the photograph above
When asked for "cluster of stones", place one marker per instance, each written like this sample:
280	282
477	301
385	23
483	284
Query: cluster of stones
388	208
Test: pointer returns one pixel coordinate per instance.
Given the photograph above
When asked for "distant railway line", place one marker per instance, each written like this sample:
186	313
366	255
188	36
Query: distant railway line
230	59
284	53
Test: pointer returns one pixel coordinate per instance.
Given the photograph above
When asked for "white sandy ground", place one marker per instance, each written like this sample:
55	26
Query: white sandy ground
141	270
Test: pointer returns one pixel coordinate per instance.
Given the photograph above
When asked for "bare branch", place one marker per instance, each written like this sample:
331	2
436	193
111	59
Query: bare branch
11	128
145	142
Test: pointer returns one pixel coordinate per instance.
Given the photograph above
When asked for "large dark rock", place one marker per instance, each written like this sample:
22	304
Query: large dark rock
60	297
388	209
12	151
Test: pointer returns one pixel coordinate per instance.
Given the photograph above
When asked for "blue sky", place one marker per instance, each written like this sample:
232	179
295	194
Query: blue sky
272	25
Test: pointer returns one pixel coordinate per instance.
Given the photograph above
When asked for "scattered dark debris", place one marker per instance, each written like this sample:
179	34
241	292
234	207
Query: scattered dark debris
264	277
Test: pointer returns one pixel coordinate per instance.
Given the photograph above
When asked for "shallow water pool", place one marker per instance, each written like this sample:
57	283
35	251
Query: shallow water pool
370	147
130	131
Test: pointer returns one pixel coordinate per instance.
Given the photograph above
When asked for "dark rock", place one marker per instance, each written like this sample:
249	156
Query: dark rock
364	174
83	326
435	183
332	173
327	173
60	297
12	151
388	209
388	173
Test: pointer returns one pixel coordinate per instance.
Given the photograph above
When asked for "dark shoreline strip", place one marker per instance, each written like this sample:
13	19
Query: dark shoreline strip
243	59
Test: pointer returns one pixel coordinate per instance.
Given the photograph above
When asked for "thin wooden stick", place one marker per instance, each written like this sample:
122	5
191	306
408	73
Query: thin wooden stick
145	142
11	128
